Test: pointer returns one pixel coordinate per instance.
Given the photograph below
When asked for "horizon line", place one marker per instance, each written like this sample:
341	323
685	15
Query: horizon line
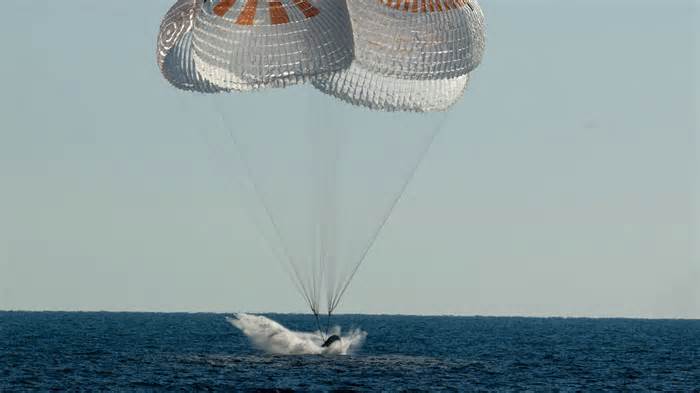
453	315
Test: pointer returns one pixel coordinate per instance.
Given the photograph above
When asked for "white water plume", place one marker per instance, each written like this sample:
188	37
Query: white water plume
272	337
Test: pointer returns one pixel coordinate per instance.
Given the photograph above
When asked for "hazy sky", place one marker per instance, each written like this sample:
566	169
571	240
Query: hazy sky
564	183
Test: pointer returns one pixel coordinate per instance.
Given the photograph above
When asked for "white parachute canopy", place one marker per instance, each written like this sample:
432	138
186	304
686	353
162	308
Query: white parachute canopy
398	55
410	55
244	45
174	49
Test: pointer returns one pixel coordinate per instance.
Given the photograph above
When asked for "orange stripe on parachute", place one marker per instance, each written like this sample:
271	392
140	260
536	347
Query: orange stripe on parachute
276	8
278	15
222	8
247	16
309	10
424	6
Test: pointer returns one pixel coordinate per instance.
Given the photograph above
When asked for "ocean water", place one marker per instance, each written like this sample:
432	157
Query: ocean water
148	351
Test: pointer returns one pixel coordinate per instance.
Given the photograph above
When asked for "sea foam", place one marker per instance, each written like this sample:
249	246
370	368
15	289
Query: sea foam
272	337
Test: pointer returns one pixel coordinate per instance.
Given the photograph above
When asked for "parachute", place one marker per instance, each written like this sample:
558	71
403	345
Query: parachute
249	44
387	55
174	49
409	56
324	190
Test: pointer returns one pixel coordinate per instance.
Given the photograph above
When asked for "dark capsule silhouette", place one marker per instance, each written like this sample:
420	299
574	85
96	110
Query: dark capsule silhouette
330	341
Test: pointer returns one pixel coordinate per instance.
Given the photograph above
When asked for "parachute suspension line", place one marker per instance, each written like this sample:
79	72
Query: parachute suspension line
315	262
318	325
332	259
328	322
299	283
328	205
280	258
395	201
325	152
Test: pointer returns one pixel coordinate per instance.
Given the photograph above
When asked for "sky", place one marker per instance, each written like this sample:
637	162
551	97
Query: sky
564	183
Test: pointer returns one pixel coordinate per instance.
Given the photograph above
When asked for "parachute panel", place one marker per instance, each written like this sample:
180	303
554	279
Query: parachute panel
361	87
409	55
408	40
248	44
174	49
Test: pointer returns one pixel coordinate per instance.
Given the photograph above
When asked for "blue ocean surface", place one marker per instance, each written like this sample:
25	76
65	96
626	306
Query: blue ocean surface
151	351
